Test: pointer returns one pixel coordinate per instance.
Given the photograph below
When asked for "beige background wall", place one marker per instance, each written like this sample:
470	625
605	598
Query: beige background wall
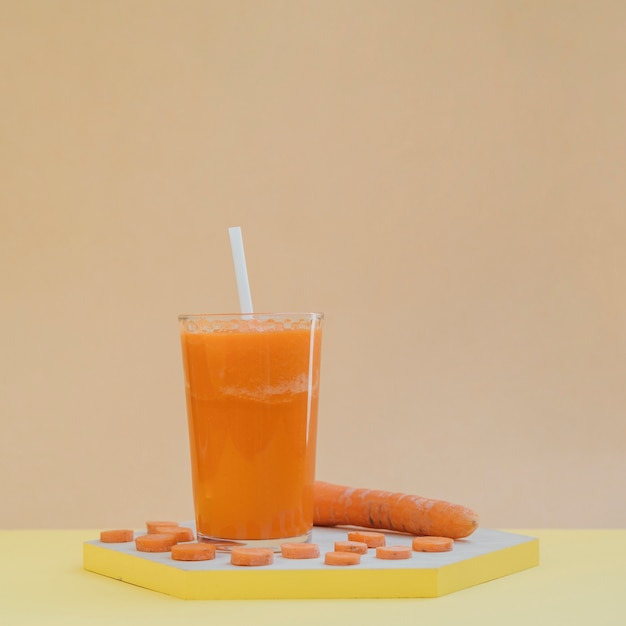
445	180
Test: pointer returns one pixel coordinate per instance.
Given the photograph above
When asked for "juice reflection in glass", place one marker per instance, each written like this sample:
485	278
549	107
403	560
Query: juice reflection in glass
252	387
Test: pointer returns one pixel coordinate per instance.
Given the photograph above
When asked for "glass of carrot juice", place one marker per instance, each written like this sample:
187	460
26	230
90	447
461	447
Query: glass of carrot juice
252	387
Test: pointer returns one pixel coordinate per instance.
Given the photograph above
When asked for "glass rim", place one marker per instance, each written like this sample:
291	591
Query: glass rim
262	316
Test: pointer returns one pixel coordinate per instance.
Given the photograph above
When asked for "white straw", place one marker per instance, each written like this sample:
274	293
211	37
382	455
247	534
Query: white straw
241	273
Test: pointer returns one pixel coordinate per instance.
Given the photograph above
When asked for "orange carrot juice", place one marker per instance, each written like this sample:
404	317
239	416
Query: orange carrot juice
252	385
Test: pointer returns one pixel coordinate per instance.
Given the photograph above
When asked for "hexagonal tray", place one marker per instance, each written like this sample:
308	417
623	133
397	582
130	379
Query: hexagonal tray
484	556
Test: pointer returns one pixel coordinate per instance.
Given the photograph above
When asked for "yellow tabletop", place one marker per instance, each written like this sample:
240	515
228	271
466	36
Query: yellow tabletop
581	579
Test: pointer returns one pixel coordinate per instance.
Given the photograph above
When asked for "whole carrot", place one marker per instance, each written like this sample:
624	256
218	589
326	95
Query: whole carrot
337	505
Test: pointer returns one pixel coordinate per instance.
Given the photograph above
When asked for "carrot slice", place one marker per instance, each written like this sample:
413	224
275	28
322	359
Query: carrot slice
155	542
342	558
251	556
371	539
182	532
432	544
360	547
394	553
193	552
300	550
152	526
117	535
